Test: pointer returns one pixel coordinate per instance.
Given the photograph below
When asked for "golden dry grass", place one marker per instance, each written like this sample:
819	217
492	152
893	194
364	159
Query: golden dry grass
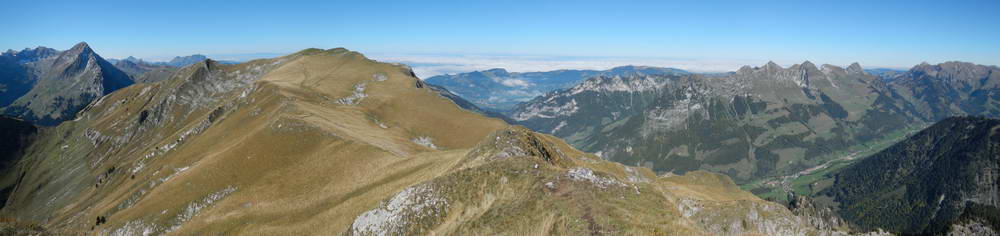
301	163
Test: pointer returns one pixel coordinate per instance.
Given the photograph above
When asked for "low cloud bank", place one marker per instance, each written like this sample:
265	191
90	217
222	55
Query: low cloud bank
426	66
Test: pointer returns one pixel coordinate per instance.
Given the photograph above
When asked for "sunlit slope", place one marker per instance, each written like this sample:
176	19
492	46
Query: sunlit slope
517	182
319	141
269	142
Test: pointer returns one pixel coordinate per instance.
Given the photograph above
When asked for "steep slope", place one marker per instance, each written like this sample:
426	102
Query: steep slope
926	182
311	143
15	136
499	90
65	84
753	124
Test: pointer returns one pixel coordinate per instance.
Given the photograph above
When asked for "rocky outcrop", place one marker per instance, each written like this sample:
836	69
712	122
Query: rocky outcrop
516	141
977	228
818	216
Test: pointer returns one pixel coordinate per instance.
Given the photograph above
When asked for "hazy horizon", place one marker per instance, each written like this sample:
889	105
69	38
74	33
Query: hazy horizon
523	36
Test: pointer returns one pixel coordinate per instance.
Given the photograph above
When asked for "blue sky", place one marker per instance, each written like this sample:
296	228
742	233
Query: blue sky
726	33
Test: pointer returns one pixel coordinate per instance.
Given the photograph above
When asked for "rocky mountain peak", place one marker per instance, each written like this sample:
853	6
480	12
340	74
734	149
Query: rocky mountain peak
807	67
771	66
855	68
77	57
81	47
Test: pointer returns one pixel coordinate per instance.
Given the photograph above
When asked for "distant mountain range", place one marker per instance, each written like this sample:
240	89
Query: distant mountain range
760	121
177	61
144	72
500	90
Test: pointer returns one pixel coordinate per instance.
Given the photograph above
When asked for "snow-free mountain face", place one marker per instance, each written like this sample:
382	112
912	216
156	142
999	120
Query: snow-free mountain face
46	87
500	90
292	145
950	89
759	122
